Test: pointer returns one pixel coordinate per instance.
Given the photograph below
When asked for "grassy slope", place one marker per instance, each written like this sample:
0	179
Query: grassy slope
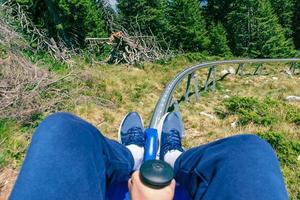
103	94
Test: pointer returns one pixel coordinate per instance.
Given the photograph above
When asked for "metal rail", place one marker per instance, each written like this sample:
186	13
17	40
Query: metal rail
165	99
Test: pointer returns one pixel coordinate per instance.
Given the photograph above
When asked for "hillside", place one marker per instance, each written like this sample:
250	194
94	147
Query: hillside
103	94
33	84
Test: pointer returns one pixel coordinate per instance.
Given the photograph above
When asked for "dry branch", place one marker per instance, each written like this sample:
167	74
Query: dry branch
129	49
15	13
22	83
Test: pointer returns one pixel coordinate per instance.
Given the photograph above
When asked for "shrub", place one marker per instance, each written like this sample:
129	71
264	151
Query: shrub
139	91
262	112
13	144
250	109
3	52
287	151
46	59
293	115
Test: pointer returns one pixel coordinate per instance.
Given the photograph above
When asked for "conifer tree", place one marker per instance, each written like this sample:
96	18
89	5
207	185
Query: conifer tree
255	30
216	10
187	25
82	18
72	20
146	16
219	43
284	9
296	24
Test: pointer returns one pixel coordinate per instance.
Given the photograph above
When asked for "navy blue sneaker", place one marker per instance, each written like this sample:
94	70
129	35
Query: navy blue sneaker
171	131
131	130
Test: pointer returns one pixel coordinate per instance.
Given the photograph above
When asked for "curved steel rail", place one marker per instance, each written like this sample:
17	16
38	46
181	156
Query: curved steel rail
166	97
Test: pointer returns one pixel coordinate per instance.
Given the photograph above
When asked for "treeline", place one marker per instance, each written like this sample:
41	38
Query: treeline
248	28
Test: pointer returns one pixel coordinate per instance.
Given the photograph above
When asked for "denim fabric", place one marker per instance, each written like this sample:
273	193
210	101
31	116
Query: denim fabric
68	158
234	168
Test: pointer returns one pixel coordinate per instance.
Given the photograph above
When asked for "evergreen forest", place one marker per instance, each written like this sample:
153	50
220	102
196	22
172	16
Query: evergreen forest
100	59
244	28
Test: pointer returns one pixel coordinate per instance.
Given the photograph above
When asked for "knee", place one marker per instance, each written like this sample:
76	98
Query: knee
246	139
63	126
60	121
247	144
59	116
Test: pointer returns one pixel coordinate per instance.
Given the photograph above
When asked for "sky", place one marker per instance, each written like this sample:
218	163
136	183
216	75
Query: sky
113	2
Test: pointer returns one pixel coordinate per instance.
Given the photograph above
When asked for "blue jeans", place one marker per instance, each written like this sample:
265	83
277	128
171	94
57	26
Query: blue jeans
70	159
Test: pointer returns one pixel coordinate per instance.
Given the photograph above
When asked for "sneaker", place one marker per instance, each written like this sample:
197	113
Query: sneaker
131	130
171	131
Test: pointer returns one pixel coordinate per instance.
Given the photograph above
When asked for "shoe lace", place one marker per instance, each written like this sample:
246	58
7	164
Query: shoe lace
134	136
173	141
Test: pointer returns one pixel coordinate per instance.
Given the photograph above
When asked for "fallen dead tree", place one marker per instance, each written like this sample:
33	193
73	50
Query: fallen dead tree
129	49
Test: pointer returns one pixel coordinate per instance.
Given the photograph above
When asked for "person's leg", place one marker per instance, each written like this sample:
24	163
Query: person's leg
68	158
238	167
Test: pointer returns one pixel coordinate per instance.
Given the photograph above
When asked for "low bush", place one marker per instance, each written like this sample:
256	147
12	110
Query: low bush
45	59
288	152
293	115
261	112
250	109
12	143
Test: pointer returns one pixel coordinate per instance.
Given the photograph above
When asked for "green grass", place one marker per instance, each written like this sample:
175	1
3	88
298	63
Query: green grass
3	52
287	151
268	112
44	59
262	112
103	94
13	143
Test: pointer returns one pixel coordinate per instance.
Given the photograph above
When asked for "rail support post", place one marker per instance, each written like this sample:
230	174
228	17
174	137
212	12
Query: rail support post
191	77
239	70
187	90
214	77
211	72
257	69
292	67
196	87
